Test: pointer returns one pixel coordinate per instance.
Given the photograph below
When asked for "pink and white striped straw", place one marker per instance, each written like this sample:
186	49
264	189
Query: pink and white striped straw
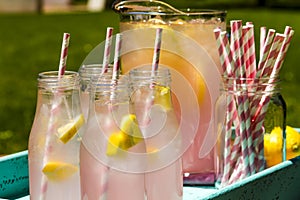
156	53
262	39
246	49
107	49
63	55
236	47
273	54
264	52
226	58
54	109
279	61
116	66
251	71
242	100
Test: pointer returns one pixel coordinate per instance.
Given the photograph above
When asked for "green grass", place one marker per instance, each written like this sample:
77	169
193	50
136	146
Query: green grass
31	43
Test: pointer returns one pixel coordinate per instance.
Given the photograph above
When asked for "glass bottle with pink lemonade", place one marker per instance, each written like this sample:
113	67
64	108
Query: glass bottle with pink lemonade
54	141
151	97
112	150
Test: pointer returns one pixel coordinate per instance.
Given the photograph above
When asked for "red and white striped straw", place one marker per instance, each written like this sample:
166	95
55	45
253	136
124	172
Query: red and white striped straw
242	100
156	53
63	55
107	49
262	39
236	47
116	67
217	33
264	52
246	49
226	59
266	71
252	56
273	54
279	61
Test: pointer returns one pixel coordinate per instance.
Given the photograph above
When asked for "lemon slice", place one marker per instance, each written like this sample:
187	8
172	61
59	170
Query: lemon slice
67	132
128	136
59	171
163	97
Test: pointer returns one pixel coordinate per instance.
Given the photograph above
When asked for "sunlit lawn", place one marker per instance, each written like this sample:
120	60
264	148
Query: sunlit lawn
31	43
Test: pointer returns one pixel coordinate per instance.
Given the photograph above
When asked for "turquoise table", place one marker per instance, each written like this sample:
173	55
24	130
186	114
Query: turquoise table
278	182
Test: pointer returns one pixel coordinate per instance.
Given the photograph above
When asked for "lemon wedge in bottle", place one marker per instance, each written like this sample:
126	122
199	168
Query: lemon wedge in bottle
59	171
128	136
67	132
163	97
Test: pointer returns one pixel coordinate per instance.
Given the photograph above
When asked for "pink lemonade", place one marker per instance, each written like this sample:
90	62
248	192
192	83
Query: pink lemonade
192	163
53	149
110	165
189	49
160	128
101	181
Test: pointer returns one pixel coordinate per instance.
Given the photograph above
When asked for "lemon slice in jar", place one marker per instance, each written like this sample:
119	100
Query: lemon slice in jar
163	97
59	171
67	132
128	136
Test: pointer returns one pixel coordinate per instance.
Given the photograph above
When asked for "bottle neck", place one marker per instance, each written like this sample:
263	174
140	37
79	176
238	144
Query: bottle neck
87	72
59	94
50	81
144	76
105	90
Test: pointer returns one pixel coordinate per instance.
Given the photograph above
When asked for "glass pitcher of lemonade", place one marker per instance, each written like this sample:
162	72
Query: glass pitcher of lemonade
189	50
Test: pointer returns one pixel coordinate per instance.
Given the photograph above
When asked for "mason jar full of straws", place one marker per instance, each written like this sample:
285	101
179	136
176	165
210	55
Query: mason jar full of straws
254	109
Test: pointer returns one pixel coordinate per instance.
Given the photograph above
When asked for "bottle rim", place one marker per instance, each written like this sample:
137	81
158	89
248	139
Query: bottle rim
51	79
144	73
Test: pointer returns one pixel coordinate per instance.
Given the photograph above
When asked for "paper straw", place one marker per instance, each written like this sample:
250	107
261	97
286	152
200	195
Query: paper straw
156	53
236	47
262	39
266	72
63	55
246	49
282	53
55	108
228	135
242	99
116	66
107	49
226	59
273	54
265	52
217	33
251	71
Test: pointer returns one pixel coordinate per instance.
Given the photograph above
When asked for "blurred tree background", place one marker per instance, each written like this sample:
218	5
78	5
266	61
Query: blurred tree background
31	42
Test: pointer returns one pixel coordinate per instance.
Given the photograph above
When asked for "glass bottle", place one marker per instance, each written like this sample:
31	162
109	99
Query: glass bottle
152	101
254	111
112	150
53	150
86	73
